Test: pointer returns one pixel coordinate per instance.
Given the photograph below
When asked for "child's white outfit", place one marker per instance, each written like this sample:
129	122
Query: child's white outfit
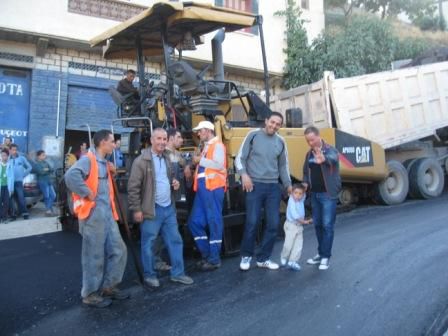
292	248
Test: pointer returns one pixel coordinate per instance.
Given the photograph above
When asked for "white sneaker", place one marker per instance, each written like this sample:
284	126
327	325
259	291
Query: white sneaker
294	266
314	260
245	263
324	264
283	262
268	264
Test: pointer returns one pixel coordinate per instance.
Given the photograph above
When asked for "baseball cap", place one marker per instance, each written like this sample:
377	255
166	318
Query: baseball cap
204	124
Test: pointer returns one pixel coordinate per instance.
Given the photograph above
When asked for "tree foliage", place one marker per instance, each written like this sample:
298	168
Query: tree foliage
298	67
386	8
366	44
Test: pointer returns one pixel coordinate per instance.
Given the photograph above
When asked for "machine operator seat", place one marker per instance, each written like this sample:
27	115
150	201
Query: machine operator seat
189	80
127	105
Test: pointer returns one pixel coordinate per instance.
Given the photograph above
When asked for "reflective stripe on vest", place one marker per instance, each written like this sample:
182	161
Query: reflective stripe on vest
214	178
82	206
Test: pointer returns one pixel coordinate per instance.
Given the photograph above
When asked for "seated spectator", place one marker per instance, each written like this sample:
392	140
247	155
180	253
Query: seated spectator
125	86
44	171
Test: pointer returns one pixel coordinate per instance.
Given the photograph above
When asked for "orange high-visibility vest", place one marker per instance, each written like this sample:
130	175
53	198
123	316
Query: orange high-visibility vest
214	178
82	205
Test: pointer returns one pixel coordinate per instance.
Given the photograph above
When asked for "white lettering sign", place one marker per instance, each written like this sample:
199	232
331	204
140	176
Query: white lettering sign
13	133
11	89
348	150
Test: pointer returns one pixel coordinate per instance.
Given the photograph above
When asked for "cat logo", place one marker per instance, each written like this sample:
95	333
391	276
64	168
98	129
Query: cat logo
362	154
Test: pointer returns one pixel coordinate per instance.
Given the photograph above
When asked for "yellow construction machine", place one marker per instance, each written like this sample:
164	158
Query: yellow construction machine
187	95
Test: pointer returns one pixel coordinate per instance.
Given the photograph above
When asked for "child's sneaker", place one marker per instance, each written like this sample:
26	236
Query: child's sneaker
268	264
294	266
245	263
283	262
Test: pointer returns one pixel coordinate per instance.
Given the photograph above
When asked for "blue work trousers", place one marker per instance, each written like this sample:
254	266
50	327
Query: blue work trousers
206	215
324	218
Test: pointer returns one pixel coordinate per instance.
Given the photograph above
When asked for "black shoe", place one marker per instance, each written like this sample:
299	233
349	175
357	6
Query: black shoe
200	263
25	217
206	266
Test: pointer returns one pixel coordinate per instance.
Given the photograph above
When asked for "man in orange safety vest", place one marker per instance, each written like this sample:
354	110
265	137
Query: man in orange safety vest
104	253
209	184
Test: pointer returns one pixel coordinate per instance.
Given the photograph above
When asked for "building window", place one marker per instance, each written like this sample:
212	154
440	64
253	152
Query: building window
249	6
305	4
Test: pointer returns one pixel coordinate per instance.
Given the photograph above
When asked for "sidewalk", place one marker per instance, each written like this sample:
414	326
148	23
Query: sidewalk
38	223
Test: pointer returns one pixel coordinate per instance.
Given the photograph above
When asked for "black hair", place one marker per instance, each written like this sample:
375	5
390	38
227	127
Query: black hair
100	136
311	129
5	150
276	114
130	71
172	132
298	186
39	152
14	146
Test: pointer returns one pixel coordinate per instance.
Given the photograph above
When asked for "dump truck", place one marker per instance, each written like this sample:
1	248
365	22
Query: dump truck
404	111
189	95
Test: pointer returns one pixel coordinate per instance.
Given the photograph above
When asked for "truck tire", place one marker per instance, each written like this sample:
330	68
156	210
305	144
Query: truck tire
394	188
426	179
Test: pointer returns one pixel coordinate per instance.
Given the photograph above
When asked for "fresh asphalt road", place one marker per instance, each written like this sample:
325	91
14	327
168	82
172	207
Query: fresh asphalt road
388	276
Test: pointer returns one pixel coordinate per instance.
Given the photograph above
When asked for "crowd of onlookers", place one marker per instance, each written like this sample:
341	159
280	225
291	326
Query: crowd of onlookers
14	167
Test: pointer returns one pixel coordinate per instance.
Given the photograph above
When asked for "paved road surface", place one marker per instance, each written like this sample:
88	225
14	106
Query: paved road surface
388	276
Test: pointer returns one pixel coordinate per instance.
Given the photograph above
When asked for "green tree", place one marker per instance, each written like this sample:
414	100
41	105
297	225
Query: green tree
387	8
364	45
298	66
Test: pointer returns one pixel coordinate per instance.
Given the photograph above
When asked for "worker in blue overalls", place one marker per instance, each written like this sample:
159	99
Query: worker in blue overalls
209	184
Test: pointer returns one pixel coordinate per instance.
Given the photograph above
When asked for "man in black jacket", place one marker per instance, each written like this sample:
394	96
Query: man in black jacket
125	86
321	176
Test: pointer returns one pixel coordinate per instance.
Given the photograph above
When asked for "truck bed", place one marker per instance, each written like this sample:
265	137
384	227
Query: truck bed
390	108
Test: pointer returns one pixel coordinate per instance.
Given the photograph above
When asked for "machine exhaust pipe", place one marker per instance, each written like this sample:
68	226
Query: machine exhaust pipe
218	63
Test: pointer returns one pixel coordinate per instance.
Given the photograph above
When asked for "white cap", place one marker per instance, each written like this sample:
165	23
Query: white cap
204	124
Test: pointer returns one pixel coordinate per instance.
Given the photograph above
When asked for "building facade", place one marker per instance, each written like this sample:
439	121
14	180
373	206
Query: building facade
53	84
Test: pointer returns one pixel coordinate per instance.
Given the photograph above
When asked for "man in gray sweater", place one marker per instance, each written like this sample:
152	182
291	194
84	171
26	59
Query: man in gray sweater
261	161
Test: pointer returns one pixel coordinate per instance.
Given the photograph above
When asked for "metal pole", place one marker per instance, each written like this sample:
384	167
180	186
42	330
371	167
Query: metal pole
58	109
166	57
128	231
265	63
141	72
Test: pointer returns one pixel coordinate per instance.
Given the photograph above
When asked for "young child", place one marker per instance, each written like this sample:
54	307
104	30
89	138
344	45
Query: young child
295	219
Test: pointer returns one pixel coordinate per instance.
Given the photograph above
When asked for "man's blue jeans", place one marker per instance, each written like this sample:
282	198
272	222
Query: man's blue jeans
267	196
324	218
48	193
164	222
19	196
